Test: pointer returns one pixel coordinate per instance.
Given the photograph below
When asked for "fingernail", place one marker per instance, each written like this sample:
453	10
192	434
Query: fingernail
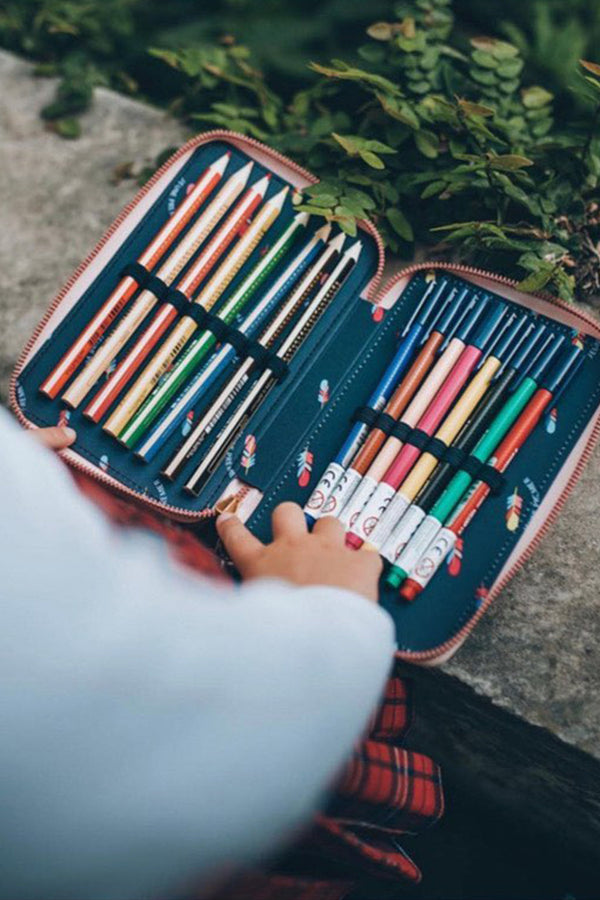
69	433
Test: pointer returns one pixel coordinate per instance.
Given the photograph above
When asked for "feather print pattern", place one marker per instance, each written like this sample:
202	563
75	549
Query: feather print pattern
514	504
305	461
323	392
248	453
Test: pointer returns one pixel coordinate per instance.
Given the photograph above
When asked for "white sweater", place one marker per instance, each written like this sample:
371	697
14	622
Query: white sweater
157	728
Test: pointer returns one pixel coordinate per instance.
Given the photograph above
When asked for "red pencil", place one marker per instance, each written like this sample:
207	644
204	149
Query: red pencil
127	286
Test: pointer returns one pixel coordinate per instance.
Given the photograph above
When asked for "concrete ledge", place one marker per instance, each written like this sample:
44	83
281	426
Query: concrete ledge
517	712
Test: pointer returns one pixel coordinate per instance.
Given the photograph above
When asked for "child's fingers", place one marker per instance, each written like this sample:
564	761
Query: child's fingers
288	521
331	528
57	437
240	544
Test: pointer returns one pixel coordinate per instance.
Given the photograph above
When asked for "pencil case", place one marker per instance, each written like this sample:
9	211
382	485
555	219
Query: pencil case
289	440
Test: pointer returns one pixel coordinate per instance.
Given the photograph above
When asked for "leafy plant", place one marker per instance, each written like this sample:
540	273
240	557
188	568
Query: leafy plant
434	137
440	135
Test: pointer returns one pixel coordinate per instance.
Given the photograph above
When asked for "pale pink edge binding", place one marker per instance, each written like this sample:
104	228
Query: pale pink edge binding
282	166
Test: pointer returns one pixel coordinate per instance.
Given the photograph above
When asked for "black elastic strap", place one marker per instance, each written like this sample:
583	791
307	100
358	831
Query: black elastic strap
268	359
418	438
472	466
157	287
455	457
401	431
493	478
136	271
365	414
385	422
436	447
182	304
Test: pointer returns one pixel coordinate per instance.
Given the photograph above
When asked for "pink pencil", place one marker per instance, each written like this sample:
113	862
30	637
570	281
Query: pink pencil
370	515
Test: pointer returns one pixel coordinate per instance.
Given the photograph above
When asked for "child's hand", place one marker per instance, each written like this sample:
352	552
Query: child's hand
58	437
300	557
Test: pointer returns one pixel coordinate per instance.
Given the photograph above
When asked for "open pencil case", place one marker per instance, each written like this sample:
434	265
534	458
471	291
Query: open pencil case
300	425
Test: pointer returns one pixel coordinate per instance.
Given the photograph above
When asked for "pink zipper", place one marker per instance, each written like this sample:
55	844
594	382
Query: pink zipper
179	513
594	326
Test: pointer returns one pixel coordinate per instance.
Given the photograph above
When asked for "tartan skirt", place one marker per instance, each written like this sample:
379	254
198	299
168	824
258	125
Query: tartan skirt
383	792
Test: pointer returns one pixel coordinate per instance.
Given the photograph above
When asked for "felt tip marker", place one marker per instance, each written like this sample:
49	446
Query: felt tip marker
438	549
127	286
339	502
411	336
471	432
373	524
461	481
416	389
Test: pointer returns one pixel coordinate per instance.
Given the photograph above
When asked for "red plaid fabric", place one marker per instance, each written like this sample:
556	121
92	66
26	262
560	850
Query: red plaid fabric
383	792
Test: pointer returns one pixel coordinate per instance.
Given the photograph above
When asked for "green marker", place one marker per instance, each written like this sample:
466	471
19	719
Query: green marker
431	524
200	347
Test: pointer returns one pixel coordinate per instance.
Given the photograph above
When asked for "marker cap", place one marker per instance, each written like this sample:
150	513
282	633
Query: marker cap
561	369
488	326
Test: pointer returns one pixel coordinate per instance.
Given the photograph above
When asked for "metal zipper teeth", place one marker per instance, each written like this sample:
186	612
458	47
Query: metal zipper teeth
594	325
74	460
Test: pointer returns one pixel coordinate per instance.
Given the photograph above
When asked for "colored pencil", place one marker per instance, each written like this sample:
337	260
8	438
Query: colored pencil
128	285
517	362
146	300
444	541
286	352
186	327
411	335
303	291
166	312
195	353
461	481
338	504
227	354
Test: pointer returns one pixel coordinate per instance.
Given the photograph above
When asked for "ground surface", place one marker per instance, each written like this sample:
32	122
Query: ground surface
517	712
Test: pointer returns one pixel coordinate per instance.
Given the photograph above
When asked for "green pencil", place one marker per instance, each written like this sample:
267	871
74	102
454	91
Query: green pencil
198	350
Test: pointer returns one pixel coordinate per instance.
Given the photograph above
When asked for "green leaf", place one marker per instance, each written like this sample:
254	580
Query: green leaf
371	159
427	143
535	97
510	68
400	224
510	161
475	109
435	187
483	76
537	280
485	59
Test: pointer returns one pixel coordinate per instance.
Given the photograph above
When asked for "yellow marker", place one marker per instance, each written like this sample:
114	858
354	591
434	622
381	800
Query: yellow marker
186	327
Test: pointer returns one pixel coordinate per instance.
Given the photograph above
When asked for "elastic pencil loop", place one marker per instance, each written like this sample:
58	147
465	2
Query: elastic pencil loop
455	457
385	423
401	431
493	478
419	439
366	415
136	271
473	467
193	310
157	287
267	359
438	448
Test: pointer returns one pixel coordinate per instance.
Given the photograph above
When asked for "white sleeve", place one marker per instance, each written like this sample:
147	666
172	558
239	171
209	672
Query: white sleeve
157	727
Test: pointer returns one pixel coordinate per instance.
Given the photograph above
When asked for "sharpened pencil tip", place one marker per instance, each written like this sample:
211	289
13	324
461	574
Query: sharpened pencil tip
261	186
338	242
323	233
354	251
278	199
